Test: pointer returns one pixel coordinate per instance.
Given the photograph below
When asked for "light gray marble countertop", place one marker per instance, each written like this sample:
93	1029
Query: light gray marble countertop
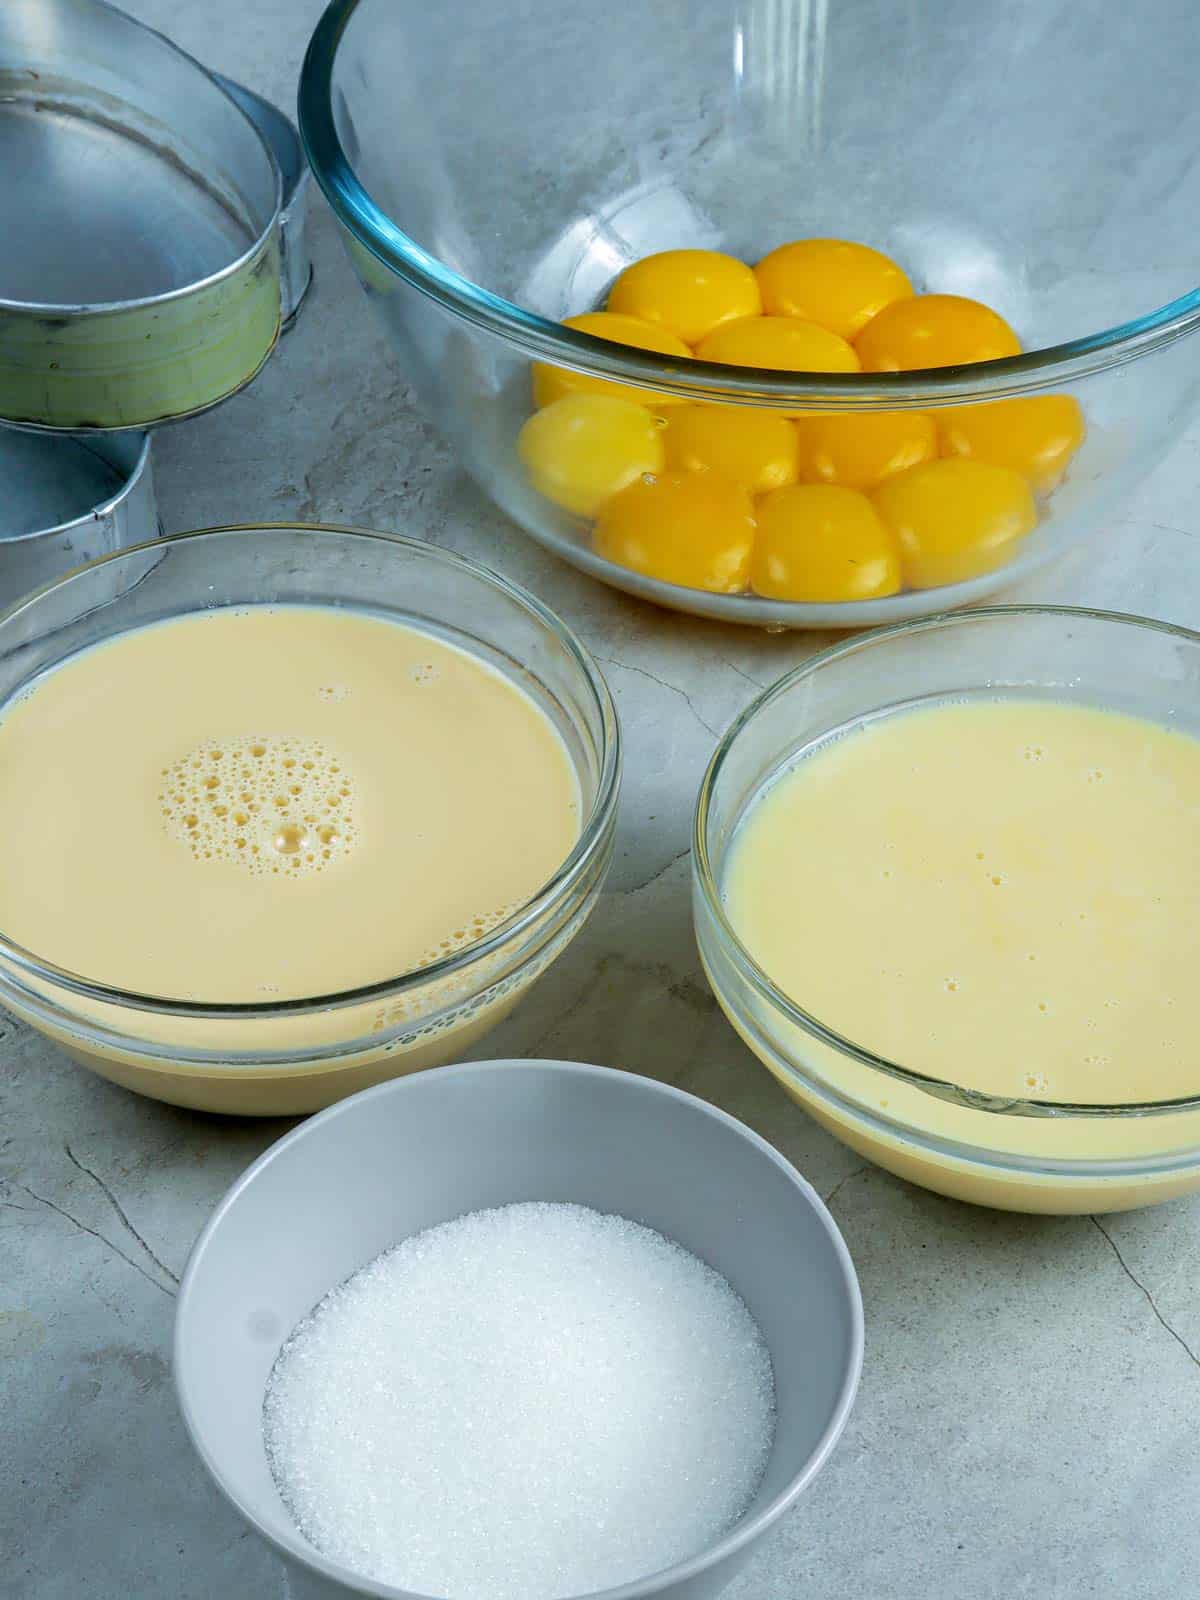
1030	1407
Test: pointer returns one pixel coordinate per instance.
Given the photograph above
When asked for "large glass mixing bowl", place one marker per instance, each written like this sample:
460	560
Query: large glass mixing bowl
494	168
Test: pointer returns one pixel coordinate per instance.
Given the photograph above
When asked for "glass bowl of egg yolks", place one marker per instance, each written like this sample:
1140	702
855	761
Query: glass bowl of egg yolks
941	886
794	316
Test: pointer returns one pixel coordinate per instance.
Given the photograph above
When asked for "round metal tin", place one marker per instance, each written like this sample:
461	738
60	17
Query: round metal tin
139	274
64	501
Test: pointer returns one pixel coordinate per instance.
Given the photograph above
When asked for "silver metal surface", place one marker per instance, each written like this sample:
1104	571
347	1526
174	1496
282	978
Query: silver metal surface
64	501
295	263
139	266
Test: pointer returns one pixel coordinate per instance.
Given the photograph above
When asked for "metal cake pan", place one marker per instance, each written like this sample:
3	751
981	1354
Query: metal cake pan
64	501
139	269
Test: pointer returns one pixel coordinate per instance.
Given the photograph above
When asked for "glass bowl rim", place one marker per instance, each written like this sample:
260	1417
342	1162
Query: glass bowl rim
593	827
367	222
705	884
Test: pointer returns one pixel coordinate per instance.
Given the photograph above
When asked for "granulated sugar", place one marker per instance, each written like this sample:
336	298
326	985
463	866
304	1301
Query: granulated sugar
523	1404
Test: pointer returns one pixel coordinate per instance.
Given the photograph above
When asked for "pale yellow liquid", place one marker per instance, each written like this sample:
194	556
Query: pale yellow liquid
397	798
998	894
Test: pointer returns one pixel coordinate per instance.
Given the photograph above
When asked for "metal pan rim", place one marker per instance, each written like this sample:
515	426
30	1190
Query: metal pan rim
103	508
44	309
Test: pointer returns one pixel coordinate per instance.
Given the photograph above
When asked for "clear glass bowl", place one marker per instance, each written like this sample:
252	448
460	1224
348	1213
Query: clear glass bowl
1021	1154
297	1055
493	172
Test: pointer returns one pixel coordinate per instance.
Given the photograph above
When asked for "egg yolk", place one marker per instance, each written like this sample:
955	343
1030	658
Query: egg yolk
818	542
756	449
860	449
833	282
689	292
691	528
551	383
784	343
934	330
1036	437
581	450
955	519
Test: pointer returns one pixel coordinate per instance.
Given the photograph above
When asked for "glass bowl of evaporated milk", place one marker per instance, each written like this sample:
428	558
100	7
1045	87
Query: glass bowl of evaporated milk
944	882
291	810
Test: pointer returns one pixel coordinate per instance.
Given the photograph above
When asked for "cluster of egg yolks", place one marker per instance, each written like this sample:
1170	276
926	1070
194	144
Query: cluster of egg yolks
833	282
846	506
955	519
551	383
688	292
819	542
695	529
581	450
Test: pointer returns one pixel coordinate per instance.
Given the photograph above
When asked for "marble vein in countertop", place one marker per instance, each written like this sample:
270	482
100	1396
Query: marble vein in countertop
95	1233
1150	1300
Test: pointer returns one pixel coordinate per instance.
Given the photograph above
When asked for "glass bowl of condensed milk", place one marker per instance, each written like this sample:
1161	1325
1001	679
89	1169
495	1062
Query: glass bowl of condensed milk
291	810
944	879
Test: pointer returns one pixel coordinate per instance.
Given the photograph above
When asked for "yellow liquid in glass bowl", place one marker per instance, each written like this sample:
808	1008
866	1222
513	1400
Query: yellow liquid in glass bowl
1000	895
263	804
